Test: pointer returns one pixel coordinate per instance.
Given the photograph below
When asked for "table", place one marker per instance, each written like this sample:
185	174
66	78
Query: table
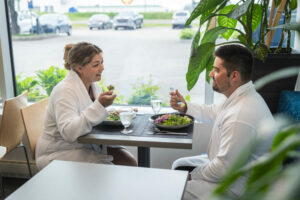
103	134
77	181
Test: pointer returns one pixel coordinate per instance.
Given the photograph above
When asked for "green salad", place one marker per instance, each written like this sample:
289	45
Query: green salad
113	116
173	120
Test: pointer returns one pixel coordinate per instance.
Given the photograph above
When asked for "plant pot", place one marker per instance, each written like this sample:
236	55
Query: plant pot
274	62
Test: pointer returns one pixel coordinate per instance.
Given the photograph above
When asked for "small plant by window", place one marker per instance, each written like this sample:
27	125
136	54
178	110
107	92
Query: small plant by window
50	77
143	90
187	34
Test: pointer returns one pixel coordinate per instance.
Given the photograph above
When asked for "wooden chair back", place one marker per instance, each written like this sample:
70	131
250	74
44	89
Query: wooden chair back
33	118
12	127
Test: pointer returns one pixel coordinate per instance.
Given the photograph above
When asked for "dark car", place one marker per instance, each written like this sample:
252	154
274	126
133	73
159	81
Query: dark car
100	21
55	23
128	20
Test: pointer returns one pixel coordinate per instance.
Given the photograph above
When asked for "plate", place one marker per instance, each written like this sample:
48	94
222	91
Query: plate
154	117
112	123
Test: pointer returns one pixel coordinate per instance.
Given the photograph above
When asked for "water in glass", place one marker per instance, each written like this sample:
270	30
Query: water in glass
126	118
156	105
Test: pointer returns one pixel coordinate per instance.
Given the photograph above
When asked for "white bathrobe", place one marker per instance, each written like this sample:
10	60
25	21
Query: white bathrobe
71	113
236	123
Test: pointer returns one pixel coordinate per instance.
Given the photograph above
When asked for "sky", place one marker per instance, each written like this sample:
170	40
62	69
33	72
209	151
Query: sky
169	4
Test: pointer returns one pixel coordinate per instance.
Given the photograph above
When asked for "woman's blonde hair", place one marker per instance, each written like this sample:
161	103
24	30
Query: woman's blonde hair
81	54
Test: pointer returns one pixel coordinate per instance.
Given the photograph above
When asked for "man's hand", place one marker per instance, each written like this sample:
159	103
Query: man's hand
175	97
106	98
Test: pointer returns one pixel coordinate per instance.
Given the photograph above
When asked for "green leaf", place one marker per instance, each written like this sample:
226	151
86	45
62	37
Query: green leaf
195	42
227	22
243	40
210	14
260	52
211	35
277	2
293	4
240	10
287	184
256	16
209	67
282	135
289	26
198	63
202	7
280	74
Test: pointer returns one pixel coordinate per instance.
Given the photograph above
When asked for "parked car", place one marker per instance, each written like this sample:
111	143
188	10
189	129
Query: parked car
100	21
130	20
26	21
55	23
179	18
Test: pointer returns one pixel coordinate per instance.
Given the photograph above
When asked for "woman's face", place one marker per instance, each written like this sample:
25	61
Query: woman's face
92	71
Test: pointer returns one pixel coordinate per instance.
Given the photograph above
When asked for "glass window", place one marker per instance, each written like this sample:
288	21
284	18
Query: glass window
143	56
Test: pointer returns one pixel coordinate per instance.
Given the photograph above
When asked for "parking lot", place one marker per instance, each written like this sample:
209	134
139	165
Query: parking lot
128	55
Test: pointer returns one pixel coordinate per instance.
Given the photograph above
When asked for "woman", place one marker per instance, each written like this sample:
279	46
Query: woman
76	105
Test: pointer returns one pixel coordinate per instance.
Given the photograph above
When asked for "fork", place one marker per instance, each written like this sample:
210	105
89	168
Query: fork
162	132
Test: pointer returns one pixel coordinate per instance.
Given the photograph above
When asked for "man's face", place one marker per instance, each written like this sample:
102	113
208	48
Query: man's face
221	81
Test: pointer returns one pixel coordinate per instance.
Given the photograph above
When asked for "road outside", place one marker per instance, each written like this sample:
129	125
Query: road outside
128	55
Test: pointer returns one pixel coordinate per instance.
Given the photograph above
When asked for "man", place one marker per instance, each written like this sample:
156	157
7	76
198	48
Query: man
236	122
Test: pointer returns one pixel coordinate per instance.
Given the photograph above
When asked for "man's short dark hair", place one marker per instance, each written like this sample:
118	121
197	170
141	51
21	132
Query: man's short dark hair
236	58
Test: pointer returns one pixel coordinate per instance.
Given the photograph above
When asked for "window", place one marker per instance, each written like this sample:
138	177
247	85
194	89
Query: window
143	55
145	61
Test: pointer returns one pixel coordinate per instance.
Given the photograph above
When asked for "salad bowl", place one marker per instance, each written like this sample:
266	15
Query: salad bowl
172	120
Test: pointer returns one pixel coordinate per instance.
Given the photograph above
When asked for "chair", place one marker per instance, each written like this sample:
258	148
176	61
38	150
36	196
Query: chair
2	154
33	118
12	127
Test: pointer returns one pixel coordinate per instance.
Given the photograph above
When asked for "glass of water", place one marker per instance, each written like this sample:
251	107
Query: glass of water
126	119
156	104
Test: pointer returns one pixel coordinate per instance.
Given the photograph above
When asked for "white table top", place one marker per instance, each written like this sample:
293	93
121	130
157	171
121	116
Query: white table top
77	181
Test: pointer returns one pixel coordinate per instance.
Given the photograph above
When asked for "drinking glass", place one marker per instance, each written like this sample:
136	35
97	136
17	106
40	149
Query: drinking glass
126	119
156	104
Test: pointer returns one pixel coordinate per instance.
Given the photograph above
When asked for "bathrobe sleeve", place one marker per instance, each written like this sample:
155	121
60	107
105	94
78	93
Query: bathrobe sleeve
72	119
235	138
204	113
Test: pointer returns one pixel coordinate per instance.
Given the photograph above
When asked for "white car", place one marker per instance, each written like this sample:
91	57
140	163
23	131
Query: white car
26	21
179	18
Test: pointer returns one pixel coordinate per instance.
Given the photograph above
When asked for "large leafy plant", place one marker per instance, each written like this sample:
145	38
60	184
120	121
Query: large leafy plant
235	23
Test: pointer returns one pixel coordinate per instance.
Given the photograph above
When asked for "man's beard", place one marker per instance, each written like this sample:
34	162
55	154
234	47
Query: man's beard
217	89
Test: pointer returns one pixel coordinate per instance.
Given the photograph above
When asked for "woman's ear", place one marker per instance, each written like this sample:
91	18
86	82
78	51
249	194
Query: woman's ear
78	69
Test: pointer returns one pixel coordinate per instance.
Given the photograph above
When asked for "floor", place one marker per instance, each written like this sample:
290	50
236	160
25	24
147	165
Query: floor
10	185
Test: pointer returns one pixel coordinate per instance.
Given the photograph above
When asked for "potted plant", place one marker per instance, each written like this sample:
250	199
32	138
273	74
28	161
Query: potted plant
236	23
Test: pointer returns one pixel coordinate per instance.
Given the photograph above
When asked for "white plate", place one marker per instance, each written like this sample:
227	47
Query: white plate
112	123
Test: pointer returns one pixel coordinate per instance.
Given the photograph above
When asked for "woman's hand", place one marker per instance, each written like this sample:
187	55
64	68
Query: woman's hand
175	97
107	98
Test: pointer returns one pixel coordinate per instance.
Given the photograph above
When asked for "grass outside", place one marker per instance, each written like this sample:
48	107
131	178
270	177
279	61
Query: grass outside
157	25
150	25
148	15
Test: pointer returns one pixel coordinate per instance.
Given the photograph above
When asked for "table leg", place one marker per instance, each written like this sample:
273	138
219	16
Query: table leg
144	156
